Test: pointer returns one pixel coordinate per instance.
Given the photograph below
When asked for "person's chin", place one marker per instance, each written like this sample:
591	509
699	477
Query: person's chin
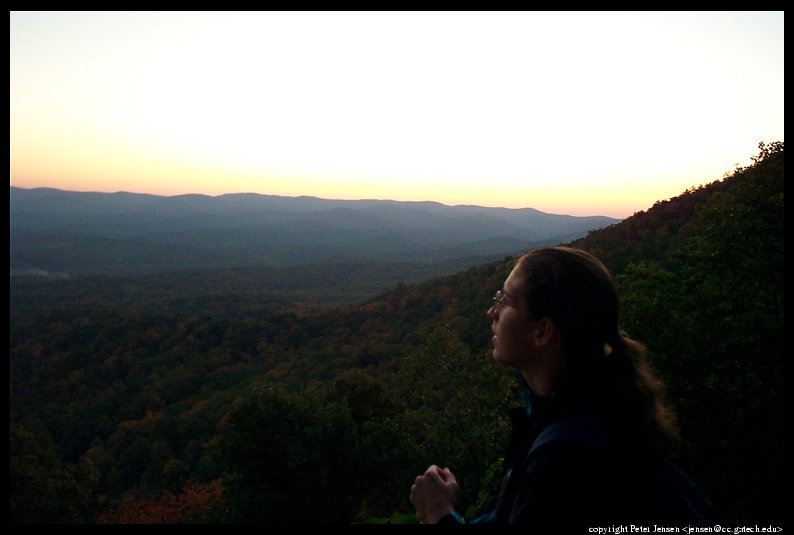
497	356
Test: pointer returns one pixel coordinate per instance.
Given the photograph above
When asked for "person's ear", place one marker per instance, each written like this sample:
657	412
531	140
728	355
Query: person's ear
544	331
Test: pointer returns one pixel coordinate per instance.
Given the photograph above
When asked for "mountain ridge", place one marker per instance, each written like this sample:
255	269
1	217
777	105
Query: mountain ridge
130	233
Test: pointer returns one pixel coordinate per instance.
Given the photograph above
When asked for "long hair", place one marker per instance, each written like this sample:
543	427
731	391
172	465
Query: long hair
608	375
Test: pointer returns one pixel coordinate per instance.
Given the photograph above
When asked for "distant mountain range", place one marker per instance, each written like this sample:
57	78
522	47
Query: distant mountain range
74	233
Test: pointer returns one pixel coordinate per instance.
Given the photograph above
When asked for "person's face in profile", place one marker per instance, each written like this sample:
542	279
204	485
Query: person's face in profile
510	323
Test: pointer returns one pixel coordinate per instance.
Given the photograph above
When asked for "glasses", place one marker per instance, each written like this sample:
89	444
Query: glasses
500	300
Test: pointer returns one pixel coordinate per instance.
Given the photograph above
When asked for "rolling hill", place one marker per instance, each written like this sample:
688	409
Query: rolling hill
67	233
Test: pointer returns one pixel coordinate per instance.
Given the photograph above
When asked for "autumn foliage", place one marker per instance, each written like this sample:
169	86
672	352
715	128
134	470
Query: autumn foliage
327	414
193	503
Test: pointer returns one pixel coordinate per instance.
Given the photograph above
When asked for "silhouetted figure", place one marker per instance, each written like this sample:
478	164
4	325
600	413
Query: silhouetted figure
590	445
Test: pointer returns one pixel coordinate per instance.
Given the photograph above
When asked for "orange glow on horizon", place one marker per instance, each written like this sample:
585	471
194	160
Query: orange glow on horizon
278	103
174	180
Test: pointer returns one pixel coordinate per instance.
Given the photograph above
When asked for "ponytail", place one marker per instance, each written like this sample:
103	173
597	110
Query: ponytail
627	392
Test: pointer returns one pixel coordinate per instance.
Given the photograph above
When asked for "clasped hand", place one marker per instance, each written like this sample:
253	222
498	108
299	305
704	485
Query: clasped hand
434	494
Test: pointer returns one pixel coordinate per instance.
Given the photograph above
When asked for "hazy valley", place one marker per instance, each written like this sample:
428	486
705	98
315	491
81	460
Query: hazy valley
290	251
91	233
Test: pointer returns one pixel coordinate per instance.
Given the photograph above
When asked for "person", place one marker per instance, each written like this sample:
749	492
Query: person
556	321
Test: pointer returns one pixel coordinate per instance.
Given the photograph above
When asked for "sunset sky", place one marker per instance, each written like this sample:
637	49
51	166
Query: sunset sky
577	113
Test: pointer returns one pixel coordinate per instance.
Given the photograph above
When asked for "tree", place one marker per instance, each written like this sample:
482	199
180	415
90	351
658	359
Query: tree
456	409
732	272
713	322
385	447
366	396
43	489
291	457
195	503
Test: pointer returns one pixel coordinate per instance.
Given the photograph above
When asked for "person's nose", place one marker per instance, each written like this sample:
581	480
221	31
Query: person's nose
492	312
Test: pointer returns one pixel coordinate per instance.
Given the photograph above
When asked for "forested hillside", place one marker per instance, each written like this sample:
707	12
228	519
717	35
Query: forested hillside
128	415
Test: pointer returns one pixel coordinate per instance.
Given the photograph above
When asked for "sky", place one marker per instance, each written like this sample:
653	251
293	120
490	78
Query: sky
580	113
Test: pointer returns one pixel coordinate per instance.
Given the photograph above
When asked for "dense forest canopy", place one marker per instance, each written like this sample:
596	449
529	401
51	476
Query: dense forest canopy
132	414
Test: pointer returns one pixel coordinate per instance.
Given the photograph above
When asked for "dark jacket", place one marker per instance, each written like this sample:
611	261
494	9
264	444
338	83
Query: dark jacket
574	483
